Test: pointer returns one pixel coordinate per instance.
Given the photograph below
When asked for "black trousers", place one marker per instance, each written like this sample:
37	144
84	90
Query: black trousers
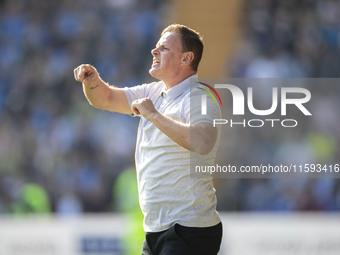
180	240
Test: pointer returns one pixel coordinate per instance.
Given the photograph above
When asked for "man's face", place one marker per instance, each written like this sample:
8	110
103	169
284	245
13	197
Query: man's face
167	57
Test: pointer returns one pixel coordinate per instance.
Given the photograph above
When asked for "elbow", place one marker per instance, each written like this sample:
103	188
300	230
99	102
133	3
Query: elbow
203	138
203	151
203	147
99	103
94	104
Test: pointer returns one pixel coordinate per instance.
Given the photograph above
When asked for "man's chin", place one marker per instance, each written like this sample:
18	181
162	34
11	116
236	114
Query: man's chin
153	73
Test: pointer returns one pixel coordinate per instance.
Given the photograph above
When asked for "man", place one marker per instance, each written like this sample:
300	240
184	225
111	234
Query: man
179	210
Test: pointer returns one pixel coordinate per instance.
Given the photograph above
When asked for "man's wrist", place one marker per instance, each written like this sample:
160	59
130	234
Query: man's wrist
94	84
154	116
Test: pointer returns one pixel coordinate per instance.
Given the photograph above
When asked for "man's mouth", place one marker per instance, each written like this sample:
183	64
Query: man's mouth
155	62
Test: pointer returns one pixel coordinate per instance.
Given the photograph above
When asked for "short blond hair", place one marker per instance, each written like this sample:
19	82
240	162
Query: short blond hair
191	41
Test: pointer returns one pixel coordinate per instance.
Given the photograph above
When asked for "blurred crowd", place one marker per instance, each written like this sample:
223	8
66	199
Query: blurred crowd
58	154
289	39
52	142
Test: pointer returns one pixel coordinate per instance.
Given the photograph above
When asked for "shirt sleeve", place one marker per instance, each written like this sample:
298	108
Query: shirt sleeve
194	109
136	92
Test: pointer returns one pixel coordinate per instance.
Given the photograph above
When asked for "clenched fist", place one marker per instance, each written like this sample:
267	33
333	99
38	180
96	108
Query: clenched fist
144	107
86	74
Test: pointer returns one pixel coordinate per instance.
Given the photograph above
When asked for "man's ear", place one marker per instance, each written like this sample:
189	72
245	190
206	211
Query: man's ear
187	57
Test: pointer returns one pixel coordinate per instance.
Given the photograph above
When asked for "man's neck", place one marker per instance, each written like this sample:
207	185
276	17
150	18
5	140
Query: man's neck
177	80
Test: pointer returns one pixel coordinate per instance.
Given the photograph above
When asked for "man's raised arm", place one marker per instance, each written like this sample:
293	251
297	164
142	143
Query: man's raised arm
199	138
99	93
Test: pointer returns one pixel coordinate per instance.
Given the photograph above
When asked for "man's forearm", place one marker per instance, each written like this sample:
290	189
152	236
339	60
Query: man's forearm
97	93
176	131
199	138
103	96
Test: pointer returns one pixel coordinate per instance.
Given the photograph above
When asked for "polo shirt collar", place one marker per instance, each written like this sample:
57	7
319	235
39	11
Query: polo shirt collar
178	89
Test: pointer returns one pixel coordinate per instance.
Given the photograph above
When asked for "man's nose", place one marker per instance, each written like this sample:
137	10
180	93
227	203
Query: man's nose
154	51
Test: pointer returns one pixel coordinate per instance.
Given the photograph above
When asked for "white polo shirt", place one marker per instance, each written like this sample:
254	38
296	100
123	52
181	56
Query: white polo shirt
167	192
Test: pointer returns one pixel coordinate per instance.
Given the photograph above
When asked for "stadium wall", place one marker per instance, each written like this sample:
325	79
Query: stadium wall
244	234
220	25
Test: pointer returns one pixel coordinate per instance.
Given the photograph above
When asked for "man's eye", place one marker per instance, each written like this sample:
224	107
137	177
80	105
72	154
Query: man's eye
164	48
